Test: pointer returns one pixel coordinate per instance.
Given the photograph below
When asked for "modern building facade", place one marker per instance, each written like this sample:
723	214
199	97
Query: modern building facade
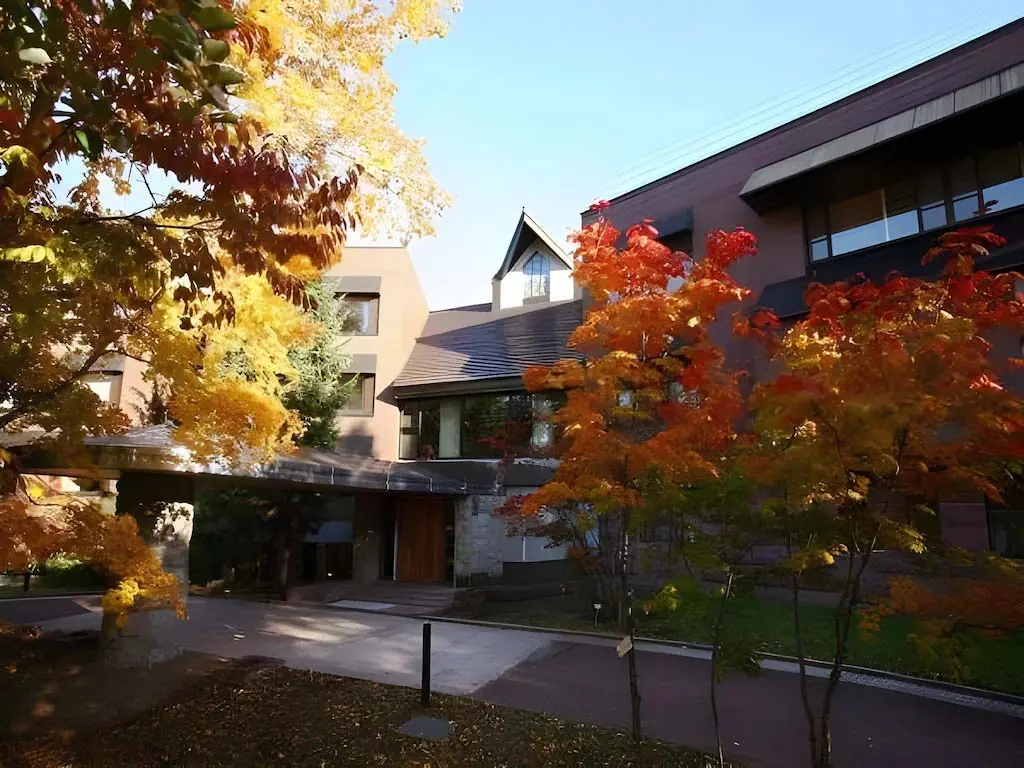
438	433
866	185
441	431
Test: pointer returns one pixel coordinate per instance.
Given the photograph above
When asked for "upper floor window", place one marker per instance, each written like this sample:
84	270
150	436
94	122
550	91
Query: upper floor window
538	277
969	187
360	399
365	308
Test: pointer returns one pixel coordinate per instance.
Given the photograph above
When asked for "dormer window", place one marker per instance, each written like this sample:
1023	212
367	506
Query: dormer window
538	277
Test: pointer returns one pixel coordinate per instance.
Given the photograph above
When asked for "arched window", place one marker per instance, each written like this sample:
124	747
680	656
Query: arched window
538	276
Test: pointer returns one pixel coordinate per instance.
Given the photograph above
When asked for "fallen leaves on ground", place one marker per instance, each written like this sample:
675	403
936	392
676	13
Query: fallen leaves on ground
272	716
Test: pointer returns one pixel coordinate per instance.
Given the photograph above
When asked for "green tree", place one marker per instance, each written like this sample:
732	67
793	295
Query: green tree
323	385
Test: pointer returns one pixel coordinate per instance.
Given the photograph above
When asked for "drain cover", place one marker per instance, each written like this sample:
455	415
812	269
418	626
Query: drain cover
421	727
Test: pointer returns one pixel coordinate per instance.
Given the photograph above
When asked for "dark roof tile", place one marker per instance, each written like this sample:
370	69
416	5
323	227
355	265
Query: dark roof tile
502	344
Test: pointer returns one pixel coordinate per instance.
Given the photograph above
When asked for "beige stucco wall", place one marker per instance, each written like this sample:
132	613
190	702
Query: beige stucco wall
135	390
403	311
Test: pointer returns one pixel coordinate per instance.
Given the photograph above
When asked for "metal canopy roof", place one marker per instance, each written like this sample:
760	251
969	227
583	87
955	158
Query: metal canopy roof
933	111
154	449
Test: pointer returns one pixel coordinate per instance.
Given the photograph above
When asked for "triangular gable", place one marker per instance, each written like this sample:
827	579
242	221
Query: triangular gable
528	230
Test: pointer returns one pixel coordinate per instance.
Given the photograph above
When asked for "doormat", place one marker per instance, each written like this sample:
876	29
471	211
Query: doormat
361	605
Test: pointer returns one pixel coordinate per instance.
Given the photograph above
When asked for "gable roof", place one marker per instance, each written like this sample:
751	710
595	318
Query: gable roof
483	347
521	240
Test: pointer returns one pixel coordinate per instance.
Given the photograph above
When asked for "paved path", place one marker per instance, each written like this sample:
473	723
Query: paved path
371	646
581	679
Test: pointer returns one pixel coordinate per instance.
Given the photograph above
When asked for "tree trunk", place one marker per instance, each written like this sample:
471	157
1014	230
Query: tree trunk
626	613
843	621
148	637
812	728
716	639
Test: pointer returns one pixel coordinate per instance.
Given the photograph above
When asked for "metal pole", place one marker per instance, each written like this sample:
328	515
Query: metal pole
425	684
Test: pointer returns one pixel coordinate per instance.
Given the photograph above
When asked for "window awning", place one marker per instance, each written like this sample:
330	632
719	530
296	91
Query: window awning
362	363
931	112
355	283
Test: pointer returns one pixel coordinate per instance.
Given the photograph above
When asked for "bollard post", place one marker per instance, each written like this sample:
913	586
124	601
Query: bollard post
425	684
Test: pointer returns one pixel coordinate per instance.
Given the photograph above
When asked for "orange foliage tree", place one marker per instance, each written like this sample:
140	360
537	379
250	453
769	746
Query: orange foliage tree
650	401
39	524
887	391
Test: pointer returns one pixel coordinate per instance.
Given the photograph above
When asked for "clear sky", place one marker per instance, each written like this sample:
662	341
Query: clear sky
551	104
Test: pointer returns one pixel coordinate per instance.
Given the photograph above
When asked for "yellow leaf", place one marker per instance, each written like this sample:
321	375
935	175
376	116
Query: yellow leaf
29	253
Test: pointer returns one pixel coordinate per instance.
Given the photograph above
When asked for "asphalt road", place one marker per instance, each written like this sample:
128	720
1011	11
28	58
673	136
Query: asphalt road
582	679
762	717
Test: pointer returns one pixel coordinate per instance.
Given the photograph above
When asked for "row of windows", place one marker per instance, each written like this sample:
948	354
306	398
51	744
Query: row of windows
477	426
969	187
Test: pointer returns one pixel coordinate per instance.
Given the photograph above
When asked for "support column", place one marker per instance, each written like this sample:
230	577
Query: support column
163	508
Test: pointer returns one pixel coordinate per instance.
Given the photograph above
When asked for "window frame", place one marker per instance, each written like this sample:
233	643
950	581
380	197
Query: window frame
529	278
412	410
373	299
367	396
944	169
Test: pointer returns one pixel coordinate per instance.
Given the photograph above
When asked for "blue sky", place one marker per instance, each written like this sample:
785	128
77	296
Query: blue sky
550	104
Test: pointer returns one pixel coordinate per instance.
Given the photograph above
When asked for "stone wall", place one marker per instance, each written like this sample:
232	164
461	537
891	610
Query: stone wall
479	534
481	544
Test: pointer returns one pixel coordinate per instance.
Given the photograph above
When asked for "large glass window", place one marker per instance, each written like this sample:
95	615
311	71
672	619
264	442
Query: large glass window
483	426
430	431
899	210
817	233
931	199
1001	176
478	426
963	184
962	190
538	277
542	432
365	308
857	222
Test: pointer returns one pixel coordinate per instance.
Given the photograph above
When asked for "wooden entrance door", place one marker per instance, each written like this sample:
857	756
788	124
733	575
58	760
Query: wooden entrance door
421	539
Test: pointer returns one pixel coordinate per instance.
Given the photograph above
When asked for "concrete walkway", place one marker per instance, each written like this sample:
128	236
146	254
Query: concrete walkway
371	646
580	678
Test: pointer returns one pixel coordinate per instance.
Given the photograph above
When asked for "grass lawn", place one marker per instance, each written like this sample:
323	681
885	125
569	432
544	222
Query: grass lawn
205	712
993	663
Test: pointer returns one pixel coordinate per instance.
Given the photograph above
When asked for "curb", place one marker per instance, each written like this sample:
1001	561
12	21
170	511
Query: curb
53	595
867	672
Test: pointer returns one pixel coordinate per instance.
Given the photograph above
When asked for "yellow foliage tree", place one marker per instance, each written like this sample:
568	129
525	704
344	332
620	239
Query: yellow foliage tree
268	115
325	87
229	380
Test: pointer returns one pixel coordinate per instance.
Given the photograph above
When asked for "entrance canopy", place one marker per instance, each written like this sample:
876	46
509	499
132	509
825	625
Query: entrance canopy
153	449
